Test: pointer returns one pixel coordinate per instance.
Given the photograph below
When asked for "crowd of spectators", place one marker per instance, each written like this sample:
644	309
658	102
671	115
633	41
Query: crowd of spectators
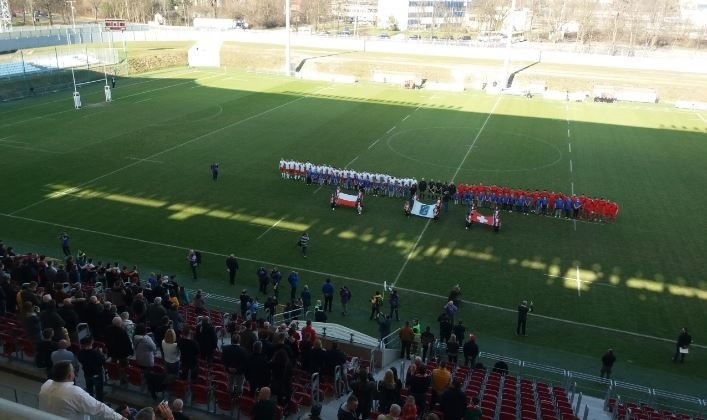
88	315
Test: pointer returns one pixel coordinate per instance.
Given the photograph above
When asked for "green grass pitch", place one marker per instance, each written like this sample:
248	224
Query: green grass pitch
130	181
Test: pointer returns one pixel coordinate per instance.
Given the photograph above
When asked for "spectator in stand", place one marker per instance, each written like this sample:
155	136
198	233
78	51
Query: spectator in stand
607	362
234	357
328	292
138	308
50	319
45	348
427	339
177	410
387	392
257	371
317	357
70	317
62	353
383	325
126	411
407	337
144	348
350	410
30	322
319	313
308	329
363	389
335	357
409	409
454	401
248	335
92	361
155	312
441	379
452	349
170	352
118	343
61	397
264	408
471	351
174	317
199	303
159	332
315	413
345	296
245	301
281	371
206	338
473	411
189	355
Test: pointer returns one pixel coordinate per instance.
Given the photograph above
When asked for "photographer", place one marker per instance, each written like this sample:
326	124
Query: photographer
523	310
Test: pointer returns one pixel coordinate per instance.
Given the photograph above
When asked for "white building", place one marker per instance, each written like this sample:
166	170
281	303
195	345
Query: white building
417	14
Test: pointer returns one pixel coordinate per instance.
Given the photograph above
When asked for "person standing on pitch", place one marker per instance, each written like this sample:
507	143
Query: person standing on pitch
193	260
523	310
607	362
232	268
112	82
214	171
682	345
304	243
65	244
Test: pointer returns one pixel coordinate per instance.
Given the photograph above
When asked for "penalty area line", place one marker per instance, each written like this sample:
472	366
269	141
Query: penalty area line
372	283
271	227
412	251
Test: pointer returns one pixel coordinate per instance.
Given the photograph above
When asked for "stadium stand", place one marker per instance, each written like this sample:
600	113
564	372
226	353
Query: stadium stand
511	389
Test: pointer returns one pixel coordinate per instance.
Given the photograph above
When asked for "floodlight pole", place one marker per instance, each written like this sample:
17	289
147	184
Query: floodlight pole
509	36
73	20
288	67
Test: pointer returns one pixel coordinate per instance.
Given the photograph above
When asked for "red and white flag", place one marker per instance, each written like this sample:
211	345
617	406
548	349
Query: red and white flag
477	217
346	200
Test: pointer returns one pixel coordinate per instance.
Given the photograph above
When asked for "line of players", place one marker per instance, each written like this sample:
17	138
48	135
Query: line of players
538	202
481	196
372	183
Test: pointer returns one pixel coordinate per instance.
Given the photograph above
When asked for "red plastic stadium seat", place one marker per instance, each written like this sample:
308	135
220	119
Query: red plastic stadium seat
200	394
178	389
224	402
245	406
112	371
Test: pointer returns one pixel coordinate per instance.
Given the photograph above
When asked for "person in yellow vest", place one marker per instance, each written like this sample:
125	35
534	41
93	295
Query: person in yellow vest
376	302
441	379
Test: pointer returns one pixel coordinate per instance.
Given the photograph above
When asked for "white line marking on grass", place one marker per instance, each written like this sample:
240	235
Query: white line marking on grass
481	130
570	165
575	224
169	149
568	133
391	129
143	160
29	149
143	100
372	283
406	117
412	251
588	282
317	190
572	187
374	143
271	227
416	109
569	145
352	161
579	283
4	140
700	117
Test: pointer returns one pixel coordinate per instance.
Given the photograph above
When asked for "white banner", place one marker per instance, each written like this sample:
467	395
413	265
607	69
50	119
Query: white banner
423	210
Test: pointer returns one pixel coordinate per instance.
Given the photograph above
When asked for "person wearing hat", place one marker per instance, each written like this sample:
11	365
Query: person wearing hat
471	351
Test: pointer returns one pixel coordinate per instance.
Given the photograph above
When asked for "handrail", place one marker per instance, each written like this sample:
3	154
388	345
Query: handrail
385	341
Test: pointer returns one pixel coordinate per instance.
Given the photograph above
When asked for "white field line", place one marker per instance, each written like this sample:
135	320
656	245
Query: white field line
29	148
412	251
348	278
701	117
143	160
352	161
406	117
374	143
569	145
271	227
143	100
169	149
570	165
391	129
582	281
579	283
481	130
414	247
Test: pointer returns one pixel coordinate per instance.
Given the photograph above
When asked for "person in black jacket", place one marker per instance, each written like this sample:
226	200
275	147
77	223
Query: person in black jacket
92	362
683	343
45	348
454	401
234	357
523	310
471	351
232	268
189	354
257	370
206	338
607	363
